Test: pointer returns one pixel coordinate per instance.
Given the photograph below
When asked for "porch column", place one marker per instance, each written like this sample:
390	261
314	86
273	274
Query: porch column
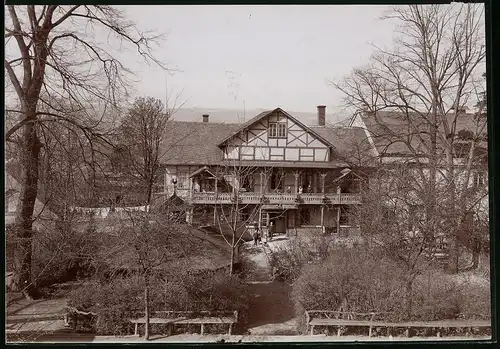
264	181
189	216
191	188
314	180
215	204
262	175
165	182
322	218
296	181
260	219
338	211
338	220
323	175
267	230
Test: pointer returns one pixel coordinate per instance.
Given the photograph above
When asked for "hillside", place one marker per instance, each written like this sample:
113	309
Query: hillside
240	115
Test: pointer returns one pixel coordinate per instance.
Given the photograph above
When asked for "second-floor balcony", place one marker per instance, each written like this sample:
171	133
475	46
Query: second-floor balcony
275	198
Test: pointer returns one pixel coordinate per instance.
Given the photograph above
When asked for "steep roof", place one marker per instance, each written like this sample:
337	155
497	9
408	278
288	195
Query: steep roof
351	143
196	143
266	113
391	132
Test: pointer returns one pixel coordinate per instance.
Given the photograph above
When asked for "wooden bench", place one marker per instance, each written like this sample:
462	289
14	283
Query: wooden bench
203	318
73	316
371	323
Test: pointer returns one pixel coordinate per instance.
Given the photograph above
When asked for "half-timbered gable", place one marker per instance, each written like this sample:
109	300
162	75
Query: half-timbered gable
276	136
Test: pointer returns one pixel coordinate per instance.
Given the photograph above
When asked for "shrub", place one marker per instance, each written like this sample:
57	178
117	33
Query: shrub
119	300
287	261
62	254
217	292
435	297
439	296
349	280
115	303
357	281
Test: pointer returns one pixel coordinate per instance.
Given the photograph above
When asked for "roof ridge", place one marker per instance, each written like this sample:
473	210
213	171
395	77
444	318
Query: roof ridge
208	123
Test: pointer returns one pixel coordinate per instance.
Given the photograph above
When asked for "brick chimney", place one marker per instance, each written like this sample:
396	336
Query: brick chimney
205	117
321	115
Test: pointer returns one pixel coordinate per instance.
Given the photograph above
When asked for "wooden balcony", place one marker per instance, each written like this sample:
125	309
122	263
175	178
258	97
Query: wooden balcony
276	198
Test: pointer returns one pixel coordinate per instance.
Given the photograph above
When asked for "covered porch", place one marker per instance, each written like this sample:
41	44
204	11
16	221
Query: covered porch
294	220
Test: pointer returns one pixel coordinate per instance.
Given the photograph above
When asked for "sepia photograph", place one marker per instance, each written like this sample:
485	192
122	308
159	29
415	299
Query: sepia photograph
246	174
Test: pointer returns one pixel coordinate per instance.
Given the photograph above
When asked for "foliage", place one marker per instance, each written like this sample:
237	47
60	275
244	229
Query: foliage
287	261
425	110
115	303
62	253
141	134
62	59
121	299
218	291
357	281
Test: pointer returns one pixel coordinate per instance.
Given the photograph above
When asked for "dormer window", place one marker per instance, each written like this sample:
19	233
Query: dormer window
277	129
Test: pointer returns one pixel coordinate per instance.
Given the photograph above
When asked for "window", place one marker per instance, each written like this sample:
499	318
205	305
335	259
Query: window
479	179
344	216
277	129
305	216
277	180
244	216
248	183
182	180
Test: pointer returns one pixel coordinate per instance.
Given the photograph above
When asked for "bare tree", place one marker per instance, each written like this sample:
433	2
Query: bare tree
143	131
143	244
392	221
235	219
427	80
153	245
53	53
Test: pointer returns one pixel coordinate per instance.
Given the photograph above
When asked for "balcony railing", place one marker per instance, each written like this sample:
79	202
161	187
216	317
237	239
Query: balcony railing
275	198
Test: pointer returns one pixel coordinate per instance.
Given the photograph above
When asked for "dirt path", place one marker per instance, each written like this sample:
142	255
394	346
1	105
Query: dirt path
271	310
32	319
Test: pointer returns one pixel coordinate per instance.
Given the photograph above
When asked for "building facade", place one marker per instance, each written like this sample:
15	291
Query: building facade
272	168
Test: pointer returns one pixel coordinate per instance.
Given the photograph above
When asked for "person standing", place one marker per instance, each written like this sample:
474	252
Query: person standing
271	230
255	234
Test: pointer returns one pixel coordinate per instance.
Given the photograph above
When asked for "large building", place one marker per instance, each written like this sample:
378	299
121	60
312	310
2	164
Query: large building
272	168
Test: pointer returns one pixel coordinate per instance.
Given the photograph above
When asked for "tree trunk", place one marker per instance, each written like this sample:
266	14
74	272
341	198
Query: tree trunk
146	306
409	298
149	194
231	266
455	216
235	215
24	220
475	258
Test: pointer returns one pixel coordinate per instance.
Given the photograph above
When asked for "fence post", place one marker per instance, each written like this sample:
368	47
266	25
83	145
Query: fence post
307	322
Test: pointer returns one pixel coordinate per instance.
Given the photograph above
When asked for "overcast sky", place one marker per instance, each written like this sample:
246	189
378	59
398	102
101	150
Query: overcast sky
263	56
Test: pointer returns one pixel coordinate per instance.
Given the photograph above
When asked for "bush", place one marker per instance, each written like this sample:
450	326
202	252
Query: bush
217	292
356	281
62	254
439	296
287	261
435	297
115	303
122	298
349	281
